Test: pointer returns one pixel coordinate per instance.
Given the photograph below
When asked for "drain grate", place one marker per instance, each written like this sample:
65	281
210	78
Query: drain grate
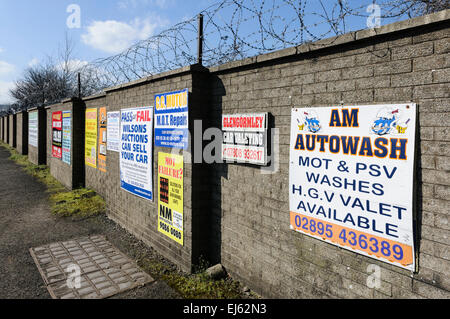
103	270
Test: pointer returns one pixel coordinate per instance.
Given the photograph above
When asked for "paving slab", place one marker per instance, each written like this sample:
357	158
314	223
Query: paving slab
87	268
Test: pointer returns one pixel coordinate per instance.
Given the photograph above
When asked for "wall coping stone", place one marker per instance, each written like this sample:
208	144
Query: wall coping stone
160	76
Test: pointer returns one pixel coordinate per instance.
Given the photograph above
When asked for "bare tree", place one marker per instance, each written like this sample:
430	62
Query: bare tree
39	84
54	80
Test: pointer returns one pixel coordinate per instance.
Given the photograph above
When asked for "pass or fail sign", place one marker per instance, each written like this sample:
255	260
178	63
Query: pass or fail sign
351	178
136	154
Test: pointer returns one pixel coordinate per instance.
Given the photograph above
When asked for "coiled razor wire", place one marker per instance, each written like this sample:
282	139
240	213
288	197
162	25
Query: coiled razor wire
238	29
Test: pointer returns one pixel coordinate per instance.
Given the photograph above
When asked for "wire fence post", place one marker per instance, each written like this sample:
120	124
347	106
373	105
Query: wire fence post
200	40
79	85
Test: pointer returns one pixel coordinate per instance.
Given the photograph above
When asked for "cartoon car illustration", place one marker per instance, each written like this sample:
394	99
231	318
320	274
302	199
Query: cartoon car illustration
312	121
385	121
402	126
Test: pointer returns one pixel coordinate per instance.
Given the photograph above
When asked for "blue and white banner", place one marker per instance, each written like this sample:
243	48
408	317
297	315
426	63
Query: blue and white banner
136	159
171	119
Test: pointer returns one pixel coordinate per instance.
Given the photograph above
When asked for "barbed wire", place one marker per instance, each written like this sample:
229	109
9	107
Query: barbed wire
237	29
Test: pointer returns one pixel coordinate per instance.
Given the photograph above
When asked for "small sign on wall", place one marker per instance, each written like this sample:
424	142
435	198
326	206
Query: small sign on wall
351	178
102	139
113	131
245	138
33	128
136	151
57	134
170	196
171	119
66	138
91	138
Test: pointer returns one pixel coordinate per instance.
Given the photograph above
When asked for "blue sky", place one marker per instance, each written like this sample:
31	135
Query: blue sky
33	30
30	31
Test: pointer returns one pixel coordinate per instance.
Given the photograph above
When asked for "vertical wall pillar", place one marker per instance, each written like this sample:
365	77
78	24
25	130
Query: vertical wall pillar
7	129
23	147
42	136
78	131
201	171
13	130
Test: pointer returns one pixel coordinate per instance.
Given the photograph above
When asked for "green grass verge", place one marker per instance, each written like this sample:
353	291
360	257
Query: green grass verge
192	286
79	203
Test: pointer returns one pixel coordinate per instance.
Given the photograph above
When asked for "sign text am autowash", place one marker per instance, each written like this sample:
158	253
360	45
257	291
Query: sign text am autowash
351	179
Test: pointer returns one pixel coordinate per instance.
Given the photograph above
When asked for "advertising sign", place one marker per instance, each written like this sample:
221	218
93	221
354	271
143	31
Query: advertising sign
90	151
351	178
245	138
171	119
170	196
33	129
102	139
66	136
136	128
57	134
113	131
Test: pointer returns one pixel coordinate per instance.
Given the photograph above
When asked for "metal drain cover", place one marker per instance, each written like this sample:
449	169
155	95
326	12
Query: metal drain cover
87	268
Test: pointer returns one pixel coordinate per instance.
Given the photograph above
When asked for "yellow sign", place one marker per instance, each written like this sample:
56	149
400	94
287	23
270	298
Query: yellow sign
170	196
90	146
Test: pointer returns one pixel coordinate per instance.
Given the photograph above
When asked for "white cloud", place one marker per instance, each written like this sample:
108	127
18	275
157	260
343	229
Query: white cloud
6	68
33	62
133	4
115	36
2	50
5	97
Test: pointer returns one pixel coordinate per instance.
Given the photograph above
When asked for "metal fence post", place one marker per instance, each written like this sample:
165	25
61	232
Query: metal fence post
200	40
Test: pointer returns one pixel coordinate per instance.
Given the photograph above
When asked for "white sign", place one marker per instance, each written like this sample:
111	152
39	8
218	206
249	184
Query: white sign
245	138
33	128
136	159
113	131
351	178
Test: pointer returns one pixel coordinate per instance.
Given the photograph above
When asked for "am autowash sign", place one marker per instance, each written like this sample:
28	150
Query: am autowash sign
351	178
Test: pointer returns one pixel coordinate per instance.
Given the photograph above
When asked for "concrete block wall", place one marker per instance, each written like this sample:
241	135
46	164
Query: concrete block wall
7	129
137	215
22	133
406	62
12	130
95	178
33	152
60	170
38	155
4	128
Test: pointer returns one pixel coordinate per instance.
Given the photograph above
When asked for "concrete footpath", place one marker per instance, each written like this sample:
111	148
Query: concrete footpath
26	221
